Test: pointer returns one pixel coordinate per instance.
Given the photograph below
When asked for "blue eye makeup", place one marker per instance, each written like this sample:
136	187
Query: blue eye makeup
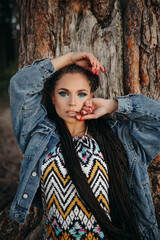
79	95
63	94
82	95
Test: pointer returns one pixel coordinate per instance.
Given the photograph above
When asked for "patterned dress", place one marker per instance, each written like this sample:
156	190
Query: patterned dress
66	215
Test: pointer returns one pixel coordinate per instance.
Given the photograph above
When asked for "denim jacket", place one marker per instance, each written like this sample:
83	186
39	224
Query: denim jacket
36	136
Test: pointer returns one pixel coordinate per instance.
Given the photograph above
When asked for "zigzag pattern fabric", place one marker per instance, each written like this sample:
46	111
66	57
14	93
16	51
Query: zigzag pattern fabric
66	215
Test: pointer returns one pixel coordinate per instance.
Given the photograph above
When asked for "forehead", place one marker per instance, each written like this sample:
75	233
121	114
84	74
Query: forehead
73	81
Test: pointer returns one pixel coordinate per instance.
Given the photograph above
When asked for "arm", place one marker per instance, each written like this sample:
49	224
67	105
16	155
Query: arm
26	86
134	107
144	124
97	107
143	116
25	99
82	59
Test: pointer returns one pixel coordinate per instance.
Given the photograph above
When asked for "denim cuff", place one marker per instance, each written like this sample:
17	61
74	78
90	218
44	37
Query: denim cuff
46	67
124	104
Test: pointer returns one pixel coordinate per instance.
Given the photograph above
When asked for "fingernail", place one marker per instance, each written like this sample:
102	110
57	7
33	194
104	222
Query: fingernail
81	120
93	64
104	71
90	106
82	112
94	71
97	72
89	110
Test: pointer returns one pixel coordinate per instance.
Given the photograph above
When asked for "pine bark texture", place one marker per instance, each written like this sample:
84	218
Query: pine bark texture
124	35
52	28
142	47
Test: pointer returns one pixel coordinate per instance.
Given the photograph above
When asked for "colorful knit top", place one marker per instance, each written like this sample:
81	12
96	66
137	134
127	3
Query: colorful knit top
65	212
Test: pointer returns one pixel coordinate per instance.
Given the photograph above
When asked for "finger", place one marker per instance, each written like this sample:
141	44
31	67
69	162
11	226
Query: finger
88	103
88	68
78	116
102	68
98	68
90	57
96	65
93	61
84	112
88	117
88	110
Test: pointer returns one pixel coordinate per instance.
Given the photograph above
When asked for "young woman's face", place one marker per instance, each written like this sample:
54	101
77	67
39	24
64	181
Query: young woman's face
70	93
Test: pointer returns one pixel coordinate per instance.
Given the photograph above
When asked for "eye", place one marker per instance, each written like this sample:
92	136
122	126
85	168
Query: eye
63	94
82	95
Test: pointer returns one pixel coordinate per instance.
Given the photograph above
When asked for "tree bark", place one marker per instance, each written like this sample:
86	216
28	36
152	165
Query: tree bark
141	22
124	35
142	47
53	28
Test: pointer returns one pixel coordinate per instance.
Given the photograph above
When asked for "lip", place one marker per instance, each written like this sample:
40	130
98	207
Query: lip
72	113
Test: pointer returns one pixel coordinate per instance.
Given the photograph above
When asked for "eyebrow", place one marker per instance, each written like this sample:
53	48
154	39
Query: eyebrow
65	89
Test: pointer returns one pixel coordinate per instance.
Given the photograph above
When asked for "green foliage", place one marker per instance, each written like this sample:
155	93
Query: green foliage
5	76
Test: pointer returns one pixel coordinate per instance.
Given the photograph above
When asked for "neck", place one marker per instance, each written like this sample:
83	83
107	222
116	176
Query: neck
76	129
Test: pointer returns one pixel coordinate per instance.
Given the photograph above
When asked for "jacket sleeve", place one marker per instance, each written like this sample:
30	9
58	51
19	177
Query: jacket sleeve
144	124
25	98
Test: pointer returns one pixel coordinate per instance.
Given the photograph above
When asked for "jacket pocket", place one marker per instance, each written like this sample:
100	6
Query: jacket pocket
42	128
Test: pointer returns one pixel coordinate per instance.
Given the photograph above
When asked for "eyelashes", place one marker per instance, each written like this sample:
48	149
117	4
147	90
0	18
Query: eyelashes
82	95
65	94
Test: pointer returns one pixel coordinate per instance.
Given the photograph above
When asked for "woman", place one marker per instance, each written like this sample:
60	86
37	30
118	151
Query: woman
93	170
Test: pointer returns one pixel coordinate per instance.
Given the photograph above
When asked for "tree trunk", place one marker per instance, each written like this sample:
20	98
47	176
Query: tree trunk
124	35
142	47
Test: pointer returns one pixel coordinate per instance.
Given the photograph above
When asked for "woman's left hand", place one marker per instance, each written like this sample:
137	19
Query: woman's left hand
97	107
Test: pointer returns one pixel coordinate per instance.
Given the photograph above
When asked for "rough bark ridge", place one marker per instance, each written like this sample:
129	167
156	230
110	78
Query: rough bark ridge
51	28
141	23
142	48
38	23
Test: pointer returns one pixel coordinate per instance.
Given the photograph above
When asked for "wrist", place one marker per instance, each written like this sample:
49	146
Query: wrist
111	105
115	105
62	61
69	58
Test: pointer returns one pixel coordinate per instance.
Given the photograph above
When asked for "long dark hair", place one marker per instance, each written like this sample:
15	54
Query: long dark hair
123	225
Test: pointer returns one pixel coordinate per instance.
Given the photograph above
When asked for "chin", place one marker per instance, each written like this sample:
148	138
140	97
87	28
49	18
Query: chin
69	120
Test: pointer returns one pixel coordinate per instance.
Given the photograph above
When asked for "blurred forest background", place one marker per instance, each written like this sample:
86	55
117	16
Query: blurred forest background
123	34
9	152
9	41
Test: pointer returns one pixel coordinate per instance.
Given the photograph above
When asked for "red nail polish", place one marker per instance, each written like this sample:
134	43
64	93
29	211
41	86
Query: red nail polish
90	106
97	72
93	64
94	71
104	71
81	120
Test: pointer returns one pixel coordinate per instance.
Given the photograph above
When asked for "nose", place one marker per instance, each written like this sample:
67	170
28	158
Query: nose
72	101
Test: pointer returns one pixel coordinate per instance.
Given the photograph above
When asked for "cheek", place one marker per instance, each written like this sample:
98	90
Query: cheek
60	104
56	100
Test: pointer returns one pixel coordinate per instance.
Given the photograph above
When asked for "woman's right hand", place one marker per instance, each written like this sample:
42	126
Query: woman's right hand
88	61
94	108
83	59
